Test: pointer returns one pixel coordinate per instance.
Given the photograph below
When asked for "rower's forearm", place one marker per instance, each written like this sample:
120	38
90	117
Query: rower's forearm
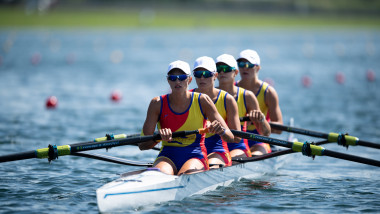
237	139
276	131
147	145
228	136
265	128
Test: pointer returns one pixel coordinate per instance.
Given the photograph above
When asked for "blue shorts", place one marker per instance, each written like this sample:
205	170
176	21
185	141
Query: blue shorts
252	142
242	145
214	144
179	155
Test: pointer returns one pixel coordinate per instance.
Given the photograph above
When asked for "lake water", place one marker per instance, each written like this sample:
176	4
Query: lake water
81	67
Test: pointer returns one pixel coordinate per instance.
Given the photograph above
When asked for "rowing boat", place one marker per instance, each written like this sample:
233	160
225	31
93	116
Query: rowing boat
150	186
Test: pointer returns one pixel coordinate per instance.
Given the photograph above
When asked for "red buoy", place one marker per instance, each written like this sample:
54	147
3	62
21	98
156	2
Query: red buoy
116	96
36	58
371	75
306	81
51	102
339	77
70	58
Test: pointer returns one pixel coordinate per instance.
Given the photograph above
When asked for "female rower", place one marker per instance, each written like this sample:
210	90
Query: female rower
205	76
247	103
249	66
182	110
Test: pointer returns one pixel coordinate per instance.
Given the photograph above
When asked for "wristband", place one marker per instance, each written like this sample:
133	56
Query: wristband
224	132
262	120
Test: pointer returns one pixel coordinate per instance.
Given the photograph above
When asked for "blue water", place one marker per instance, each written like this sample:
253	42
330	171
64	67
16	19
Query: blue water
82	68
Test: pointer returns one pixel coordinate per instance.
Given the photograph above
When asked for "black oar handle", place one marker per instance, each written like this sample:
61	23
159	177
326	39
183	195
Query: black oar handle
157	136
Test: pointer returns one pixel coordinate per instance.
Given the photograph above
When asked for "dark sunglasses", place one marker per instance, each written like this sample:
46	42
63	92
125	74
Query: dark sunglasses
205	74
224	68
181	77
245	65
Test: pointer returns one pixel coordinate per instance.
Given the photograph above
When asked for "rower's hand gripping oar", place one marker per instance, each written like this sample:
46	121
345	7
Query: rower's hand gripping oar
342	139
53	151
306	148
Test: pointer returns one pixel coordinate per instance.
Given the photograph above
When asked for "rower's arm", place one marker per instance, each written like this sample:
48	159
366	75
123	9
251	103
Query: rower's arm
253	109
233	115
274	111
150	123
219	126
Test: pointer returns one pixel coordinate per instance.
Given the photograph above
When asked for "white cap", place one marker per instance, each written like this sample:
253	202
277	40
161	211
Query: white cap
184	66
205	62
227	59
251	56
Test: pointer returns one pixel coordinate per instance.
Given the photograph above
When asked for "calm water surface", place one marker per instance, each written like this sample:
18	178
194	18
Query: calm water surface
83	67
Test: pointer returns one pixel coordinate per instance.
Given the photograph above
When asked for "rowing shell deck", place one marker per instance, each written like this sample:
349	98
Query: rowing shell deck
150	186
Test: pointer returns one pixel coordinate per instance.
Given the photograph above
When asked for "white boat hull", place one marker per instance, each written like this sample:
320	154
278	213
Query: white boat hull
150	186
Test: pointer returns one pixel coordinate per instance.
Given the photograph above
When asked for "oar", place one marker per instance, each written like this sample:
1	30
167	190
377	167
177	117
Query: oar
112	159
270	155
306	148
341	139
121	136
53	151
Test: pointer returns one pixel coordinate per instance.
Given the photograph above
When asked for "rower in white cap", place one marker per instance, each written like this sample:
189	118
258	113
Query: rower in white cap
205	75
182	110
247	104
249	66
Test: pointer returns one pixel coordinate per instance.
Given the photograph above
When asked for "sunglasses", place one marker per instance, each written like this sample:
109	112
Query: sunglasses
205	74
224	68
174	78
245	65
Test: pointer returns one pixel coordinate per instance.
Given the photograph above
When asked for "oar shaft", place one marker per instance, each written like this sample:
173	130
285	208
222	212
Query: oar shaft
293	129
300	147
260	138
78	147
55	151
368	144
18	156
112	159
351	158
262	157
298	130
332	137
85	146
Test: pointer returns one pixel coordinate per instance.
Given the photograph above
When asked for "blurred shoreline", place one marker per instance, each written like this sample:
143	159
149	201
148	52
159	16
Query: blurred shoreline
189	14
